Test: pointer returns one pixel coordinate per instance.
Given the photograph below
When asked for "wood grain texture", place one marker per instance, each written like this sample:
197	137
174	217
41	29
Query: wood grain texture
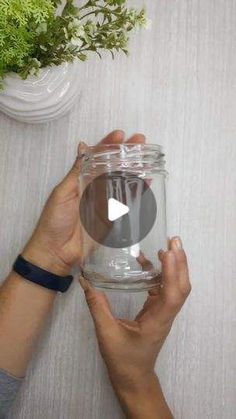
179	87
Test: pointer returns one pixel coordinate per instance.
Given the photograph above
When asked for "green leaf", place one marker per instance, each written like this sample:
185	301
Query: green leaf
33	34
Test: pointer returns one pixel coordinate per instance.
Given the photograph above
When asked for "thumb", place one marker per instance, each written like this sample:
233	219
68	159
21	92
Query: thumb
70	181
82	149
99	306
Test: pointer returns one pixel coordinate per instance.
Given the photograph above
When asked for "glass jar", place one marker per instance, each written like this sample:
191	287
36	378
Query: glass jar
123	215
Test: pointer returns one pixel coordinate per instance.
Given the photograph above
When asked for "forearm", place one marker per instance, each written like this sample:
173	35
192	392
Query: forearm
144	401
24	308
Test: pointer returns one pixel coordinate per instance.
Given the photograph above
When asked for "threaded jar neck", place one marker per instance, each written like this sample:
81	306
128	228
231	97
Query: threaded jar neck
136	158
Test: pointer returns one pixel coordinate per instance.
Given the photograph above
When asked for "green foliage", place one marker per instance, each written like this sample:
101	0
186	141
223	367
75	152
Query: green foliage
33	34
19	20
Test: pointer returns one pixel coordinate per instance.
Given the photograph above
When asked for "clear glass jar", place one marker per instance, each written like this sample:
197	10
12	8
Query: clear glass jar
123	215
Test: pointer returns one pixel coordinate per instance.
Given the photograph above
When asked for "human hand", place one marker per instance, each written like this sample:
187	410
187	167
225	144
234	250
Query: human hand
56	242
130	348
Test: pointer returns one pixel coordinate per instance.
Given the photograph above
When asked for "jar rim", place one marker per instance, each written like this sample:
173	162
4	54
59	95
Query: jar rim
135	156
104	146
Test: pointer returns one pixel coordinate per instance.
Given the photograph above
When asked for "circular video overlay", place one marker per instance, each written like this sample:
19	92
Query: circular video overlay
118	209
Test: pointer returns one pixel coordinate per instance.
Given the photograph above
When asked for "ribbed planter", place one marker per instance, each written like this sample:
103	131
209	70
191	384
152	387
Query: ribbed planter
44	98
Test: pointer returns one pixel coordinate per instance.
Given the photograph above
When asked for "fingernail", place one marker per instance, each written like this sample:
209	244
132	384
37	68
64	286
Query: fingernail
141	255
178	243
81	156
160	253
82	148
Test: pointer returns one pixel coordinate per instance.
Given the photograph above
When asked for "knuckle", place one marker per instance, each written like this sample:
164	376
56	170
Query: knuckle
55	190
166	257
186	289
181	257
174	300
56	193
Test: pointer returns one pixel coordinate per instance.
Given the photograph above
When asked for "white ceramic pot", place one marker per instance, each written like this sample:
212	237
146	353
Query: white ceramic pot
43	98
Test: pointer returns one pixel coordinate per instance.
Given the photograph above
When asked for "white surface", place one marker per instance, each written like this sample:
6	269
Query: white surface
179	87
44	98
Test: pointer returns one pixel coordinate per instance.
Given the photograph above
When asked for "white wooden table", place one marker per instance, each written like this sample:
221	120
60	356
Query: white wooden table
178	87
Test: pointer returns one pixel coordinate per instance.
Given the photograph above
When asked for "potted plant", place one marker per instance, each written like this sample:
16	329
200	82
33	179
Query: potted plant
42	43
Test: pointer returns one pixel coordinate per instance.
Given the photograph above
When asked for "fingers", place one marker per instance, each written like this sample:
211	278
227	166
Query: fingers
115	137
176	284
182	266
83	148
69	185
144	262
137	139
118	137
169	273
70	182
164	306
99	306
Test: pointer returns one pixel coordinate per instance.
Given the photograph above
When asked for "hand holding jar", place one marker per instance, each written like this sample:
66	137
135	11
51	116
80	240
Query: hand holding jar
130	347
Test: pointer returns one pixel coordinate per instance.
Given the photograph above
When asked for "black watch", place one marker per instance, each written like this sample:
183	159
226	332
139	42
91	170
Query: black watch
41	277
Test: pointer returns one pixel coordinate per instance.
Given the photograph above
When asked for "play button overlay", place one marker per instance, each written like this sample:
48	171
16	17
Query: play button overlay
118	209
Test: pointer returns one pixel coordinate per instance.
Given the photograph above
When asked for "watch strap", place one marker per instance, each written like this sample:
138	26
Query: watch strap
40	276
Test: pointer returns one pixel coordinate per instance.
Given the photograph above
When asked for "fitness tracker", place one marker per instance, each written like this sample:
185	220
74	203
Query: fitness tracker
41	277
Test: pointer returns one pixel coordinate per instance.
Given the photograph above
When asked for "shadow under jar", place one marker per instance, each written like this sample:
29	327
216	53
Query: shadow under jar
123	216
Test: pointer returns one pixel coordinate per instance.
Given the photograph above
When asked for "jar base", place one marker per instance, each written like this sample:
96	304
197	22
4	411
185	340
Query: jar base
134	286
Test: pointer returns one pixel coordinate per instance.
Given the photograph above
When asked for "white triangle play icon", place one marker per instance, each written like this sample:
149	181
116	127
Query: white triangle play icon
116	209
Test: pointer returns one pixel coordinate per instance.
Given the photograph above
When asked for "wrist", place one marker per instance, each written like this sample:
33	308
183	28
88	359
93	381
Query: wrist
144	399
44	258
136	385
